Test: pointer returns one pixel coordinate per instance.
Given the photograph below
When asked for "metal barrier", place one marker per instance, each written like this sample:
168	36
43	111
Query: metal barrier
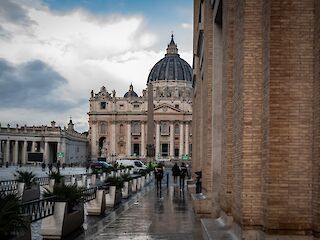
42	181
89	194
38	209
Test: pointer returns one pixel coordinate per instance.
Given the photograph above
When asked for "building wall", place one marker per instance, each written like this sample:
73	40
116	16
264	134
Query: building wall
264	156
173	104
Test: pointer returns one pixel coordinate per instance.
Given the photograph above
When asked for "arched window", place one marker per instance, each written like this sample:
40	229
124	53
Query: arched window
103	128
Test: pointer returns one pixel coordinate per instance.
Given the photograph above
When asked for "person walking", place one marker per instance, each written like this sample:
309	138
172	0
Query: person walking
175	172
158	173
183	174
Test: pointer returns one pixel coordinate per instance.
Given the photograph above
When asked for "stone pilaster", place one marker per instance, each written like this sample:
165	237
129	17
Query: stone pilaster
181	139
157	138
129	139
171	140
143	140
24	152
186	142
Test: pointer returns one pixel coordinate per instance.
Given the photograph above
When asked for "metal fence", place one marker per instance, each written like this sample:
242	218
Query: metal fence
38	209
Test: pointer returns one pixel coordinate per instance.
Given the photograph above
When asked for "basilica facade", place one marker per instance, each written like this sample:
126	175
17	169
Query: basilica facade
118	125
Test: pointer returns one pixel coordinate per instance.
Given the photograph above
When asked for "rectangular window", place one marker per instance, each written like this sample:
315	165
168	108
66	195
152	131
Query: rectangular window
103	105
176	106
136	106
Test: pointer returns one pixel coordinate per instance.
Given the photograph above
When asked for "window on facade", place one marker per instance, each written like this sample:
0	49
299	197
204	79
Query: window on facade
136	106
176	106
103	105
135	128
121	129
103	128
121	106
164	128
176	129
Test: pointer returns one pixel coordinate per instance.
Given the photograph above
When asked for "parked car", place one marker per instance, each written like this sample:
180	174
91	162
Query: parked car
138	166
99	165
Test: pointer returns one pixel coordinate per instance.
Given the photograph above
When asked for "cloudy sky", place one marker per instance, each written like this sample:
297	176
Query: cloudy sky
53	52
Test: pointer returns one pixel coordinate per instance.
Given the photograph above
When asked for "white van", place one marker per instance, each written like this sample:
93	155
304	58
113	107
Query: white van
138	166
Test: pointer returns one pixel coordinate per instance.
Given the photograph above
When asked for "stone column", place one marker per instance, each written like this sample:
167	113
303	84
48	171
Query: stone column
181	140
7	155
186	142
129	139
113	138
171	140
94	141
1	154
143	141
157	138
24	152
46	152
16	152
63	149
33	147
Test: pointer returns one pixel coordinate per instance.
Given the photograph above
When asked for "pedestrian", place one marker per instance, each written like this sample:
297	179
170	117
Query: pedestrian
175	172
50	168
183	174
158	173
43	166
58	165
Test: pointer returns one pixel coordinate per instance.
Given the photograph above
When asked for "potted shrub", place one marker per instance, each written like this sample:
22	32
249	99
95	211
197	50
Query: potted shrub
13	225
56	178
127	185
115	190
26	182
68	212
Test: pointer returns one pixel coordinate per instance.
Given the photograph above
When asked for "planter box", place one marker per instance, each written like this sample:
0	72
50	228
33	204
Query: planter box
113	197
31	194
61	223
97	206
134	185
126	189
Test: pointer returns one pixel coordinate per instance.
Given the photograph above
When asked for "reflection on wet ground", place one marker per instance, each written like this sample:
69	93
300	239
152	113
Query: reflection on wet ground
148	216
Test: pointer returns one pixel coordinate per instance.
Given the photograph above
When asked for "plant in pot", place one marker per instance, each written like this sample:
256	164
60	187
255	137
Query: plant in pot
56	178
127	185
115	190
68	211
27	186
12	223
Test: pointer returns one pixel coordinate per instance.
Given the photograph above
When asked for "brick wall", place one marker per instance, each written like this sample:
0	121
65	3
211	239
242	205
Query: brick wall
291	98
227	106
316	122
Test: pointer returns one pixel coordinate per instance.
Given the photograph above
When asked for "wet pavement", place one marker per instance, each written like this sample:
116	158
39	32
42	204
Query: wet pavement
148	215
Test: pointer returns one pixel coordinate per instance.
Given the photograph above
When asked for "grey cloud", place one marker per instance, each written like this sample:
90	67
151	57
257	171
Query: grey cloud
12	12
31	85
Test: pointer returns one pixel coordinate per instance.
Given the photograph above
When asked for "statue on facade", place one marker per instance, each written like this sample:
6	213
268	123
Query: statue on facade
113	93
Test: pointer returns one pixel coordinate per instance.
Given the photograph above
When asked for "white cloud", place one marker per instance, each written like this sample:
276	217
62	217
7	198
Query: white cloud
87	51
186	25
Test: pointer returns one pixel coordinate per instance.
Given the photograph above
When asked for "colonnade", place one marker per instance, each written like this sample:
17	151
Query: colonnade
16	151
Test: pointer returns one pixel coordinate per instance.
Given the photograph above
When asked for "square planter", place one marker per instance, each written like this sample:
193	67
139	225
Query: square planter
62	223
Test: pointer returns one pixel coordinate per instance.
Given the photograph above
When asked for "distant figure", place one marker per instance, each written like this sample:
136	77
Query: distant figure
50	168
43	166
158	173
58	166
7	164
87	167
183	174
175	172
63	165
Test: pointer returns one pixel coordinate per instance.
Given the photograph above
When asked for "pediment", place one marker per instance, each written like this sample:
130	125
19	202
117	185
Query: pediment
166	108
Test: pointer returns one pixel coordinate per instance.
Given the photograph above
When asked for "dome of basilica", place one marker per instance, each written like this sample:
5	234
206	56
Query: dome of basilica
171	67
130	93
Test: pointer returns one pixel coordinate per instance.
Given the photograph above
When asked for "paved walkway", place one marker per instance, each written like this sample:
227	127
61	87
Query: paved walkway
148	216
